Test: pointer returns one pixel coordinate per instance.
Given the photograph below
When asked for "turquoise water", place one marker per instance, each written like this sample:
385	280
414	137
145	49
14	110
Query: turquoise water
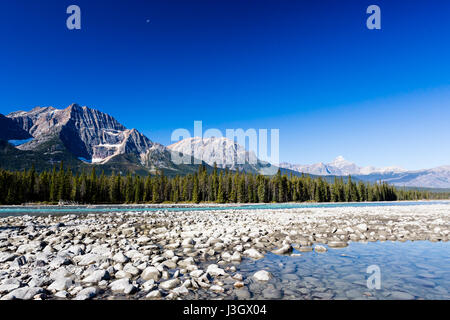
51	210
408	270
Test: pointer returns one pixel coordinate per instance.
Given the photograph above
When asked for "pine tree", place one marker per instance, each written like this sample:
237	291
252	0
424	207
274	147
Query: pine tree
195	190
220	193
53	186
262	190
241	192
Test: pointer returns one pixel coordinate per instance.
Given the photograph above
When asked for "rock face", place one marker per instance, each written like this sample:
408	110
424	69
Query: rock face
10	130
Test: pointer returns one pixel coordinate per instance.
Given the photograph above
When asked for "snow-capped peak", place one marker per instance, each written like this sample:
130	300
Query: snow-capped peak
340	160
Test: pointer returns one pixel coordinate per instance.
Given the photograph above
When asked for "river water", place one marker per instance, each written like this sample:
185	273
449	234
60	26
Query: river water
62	210
408	270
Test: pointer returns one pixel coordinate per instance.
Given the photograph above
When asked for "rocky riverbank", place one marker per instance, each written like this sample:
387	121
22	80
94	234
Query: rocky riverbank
185	254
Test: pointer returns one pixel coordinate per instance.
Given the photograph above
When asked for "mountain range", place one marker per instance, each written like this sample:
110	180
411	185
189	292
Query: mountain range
340	167
427	178
83	137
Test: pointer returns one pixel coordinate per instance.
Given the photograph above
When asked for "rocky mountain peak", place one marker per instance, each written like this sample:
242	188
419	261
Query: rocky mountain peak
87	133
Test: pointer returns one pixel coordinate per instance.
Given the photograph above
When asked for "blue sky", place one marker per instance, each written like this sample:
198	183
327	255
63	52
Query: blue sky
310	68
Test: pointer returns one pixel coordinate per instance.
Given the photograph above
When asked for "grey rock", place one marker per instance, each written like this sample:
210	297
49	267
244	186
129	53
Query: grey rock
86	293
262	275
151	273
337	244
97	276
123	286
169	284
283	250
10	285
120	258
272	293
5	257
319	248
181	290
399	295
62	294
253	253
61	284
242	294
216	288
155	294
24	293
214	270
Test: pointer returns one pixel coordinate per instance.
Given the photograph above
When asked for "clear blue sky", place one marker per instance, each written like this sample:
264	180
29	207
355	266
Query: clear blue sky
310	68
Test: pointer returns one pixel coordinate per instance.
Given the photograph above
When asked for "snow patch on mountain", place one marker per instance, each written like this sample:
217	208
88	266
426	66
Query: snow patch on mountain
17	143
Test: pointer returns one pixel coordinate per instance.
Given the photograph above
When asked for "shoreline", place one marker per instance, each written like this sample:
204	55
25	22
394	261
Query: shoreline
210	204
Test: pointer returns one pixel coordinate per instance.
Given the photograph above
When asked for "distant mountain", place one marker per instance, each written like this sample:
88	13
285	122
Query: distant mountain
429	178
223	152
81	136
339	167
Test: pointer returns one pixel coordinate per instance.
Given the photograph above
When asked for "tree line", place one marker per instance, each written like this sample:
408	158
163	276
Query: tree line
221	186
